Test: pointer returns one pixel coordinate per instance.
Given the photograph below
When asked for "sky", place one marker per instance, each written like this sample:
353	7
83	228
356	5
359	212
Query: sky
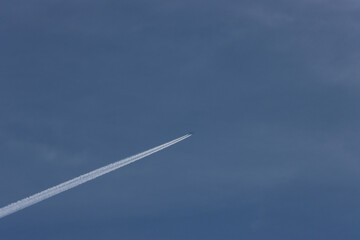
271	90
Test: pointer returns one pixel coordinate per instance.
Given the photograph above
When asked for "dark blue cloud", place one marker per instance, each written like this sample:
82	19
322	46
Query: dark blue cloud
270	89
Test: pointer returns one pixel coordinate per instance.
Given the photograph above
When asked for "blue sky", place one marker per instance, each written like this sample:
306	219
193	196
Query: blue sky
270	89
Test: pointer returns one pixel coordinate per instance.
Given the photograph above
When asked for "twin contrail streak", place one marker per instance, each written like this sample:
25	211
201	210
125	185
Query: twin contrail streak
38	197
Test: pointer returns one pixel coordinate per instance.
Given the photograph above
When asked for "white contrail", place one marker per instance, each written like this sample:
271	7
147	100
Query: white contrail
38	197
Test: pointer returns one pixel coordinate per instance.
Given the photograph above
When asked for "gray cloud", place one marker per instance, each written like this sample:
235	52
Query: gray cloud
269	88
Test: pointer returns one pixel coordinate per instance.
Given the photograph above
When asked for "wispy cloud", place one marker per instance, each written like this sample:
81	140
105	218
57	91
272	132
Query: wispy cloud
19	205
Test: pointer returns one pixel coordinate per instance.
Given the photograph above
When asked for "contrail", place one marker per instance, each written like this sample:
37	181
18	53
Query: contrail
38	197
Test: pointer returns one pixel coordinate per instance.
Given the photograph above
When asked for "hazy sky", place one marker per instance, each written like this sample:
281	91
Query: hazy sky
270	88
